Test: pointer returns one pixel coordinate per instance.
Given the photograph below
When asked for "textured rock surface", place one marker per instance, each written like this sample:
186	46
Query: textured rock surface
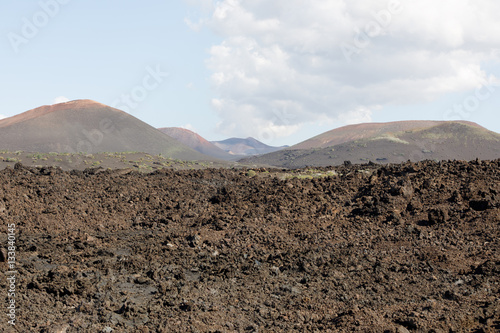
398	248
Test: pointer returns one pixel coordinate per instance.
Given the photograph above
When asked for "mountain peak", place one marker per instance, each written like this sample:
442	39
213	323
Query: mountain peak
87	126
78	103
46	109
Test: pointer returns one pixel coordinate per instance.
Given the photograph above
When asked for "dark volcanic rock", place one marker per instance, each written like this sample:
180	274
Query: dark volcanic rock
437	215
354	248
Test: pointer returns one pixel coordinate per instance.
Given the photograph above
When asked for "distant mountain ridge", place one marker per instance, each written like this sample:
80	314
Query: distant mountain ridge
87	126
248	146
92	127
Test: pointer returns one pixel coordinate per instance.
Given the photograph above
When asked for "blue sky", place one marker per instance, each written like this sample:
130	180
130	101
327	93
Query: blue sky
279	71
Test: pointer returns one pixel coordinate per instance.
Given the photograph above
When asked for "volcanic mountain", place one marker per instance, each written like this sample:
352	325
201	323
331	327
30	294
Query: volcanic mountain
87	126
392	142
196	142
248	146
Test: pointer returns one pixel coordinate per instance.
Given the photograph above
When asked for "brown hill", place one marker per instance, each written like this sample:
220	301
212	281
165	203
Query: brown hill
390	143
87	126
196	142
366	131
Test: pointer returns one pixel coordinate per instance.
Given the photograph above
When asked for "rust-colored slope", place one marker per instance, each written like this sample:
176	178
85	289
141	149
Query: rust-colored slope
87	126
393	143
196	142
46	109
366	131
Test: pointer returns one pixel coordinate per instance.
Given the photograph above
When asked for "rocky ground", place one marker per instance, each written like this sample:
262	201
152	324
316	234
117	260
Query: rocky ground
364	248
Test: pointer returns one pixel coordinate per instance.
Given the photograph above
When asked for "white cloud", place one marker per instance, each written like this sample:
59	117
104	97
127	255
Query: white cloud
196	20
283	63
60	99
356	116
2	116
195	26
189	127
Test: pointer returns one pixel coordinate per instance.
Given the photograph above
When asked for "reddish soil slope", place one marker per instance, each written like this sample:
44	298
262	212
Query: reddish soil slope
368	130
390	143
87	126
195	141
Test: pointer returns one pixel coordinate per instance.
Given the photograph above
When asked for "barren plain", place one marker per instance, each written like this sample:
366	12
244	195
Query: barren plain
412	247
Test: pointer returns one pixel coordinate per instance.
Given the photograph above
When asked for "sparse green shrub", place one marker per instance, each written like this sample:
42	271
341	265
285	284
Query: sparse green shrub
251	173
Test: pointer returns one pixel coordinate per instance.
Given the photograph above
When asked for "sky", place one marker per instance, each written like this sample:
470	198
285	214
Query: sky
279	71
